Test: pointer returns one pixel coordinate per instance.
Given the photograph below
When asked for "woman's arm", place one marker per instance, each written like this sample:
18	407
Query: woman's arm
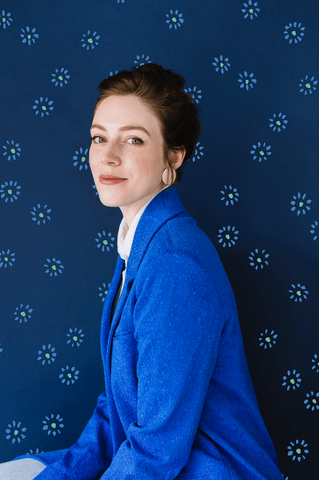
178	321
91	455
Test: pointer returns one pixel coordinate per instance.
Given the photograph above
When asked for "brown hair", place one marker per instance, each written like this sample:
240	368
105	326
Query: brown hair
161	91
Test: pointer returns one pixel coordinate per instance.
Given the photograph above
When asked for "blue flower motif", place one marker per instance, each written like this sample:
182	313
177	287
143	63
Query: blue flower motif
47	354
119	1
312	401
53	424
297	450
10	191
54	268
294	32
104	241
29	35
251	9
279	124
261	151
69	375
298	292
315	362
75	337
141	60
96	192
103	291
222	64
15	432
313	230
6	258
34	452
197	153
174	19
229	195
195	95
308	86
1	349
90	41
23	314
300	204
60	77
292	380
12	152
228	236
258	259
6	19
81	158
245	81
111	73
267	339
40	214
43	109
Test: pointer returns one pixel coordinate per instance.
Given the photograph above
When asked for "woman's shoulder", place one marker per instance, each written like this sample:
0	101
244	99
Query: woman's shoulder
180	248
181	238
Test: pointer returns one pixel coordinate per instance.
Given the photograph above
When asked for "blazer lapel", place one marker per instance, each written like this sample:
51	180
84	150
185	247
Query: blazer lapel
106	313
162	208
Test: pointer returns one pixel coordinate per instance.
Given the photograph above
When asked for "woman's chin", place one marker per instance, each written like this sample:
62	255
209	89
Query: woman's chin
108	203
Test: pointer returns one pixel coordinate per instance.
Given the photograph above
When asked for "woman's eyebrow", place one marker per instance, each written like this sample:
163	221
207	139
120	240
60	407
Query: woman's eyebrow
127	127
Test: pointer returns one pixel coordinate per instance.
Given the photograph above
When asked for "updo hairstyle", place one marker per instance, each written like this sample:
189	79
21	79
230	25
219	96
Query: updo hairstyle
161	91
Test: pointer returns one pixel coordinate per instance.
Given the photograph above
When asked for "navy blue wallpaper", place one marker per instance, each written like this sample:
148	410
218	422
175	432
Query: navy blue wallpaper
251	184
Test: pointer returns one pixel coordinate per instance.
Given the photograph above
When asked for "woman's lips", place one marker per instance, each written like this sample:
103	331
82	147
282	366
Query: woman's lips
110	180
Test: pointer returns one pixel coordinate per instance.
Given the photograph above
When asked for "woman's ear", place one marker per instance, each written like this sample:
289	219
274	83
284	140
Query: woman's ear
178	158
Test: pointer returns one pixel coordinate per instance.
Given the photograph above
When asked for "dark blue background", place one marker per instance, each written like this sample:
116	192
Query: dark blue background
233	119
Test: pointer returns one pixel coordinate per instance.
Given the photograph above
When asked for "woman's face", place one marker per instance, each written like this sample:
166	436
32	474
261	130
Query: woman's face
126	142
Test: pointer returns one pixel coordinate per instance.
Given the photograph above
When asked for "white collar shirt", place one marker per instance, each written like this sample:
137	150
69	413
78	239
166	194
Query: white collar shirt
125	235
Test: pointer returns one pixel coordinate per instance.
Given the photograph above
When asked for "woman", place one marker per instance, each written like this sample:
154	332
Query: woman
179	402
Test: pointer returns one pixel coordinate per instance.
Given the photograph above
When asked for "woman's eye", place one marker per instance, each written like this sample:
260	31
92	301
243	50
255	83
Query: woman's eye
136	139
97	139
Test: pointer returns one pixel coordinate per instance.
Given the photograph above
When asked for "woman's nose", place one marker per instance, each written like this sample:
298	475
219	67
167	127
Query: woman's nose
111	153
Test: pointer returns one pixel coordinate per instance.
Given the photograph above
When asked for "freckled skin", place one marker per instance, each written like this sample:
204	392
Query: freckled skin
122	154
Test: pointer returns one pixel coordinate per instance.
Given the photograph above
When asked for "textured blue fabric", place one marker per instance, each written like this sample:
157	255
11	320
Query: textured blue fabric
179	402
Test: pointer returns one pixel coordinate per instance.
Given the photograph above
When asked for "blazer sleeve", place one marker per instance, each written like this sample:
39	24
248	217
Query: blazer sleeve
178	320
91	455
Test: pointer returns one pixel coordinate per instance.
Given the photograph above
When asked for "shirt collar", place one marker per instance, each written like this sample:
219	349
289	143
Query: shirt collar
126	234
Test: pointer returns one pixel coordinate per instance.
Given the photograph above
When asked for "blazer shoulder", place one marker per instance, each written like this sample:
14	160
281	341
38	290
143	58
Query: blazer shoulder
181	246
182	234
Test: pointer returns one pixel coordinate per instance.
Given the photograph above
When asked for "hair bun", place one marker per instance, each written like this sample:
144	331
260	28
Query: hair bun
175	80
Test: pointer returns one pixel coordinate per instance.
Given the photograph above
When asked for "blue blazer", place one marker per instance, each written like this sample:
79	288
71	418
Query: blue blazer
178	400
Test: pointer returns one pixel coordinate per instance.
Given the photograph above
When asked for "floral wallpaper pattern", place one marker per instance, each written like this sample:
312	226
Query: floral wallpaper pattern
252	184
